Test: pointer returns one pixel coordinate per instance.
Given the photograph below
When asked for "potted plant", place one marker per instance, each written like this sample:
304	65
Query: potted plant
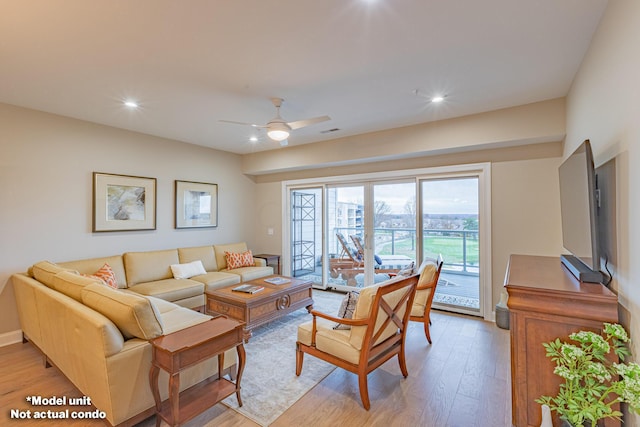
592	382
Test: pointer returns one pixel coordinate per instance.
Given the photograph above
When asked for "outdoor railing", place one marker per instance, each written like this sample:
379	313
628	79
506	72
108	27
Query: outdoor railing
459	248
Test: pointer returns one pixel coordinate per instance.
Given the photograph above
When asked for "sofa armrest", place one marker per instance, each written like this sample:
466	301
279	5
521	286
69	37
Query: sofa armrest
259	262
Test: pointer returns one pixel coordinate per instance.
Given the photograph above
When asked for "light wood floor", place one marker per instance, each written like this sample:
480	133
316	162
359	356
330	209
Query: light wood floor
462	379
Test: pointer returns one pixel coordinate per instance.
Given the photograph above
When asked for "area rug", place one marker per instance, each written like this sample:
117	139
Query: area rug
269	384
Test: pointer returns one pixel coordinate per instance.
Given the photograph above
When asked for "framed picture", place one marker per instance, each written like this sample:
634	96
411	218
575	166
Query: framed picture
123	203
196	204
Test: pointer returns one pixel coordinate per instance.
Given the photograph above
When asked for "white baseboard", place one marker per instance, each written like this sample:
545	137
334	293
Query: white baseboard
10	338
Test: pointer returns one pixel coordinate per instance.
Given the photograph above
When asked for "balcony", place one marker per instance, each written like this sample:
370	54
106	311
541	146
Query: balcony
459	280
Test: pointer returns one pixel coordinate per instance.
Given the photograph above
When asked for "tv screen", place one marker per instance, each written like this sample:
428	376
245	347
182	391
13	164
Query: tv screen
579	208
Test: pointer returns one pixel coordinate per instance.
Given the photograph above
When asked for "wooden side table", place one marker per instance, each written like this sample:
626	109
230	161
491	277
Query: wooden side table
270	259
179	350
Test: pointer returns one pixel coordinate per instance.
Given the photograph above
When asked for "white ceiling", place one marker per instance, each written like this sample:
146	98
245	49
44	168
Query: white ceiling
192	63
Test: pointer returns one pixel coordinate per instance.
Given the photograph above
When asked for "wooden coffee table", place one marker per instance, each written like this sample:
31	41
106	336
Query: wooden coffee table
273	302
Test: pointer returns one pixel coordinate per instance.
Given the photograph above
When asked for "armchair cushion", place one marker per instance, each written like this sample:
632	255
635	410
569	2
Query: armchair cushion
363	309
329	340
426	277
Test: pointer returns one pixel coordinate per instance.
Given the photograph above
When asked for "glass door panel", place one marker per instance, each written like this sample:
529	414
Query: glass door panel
306	234
345	218
394	227
450	218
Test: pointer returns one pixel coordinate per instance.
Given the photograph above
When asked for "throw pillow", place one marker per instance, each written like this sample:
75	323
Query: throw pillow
347	307
187	270
237	260
106	275
407	270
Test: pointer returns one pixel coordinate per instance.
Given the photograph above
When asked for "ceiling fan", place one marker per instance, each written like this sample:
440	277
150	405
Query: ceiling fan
277	128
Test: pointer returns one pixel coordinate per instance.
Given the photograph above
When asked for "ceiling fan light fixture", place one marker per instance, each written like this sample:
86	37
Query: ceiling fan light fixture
278	131
278	135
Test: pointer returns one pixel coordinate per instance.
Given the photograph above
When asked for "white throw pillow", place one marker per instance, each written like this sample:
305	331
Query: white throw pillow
190	269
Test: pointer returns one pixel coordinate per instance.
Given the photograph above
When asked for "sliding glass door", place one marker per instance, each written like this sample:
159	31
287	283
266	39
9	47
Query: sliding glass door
350	232
450	227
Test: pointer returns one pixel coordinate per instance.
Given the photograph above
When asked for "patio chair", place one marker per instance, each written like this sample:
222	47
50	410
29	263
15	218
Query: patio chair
346	252
357	242
377	332
347	264
426	289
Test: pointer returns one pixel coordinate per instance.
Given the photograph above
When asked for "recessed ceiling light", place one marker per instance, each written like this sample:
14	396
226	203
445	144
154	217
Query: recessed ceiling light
131	104
253	139
437	99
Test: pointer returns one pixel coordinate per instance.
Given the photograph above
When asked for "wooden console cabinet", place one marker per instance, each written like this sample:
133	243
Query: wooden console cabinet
546	302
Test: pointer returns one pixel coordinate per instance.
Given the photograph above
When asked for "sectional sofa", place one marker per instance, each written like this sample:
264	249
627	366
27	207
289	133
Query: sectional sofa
99	336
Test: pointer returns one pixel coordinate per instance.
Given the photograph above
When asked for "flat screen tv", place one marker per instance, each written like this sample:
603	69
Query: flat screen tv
579	211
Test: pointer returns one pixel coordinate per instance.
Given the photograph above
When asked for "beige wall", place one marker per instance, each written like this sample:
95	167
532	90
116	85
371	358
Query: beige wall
525	213
46	165
603	106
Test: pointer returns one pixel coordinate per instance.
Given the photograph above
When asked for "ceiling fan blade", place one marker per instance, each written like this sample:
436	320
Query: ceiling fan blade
302	123
233	122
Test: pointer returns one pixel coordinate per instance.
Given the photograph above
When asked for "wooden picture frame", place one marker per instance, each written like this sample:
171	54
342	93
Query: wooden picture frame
123	202
196	204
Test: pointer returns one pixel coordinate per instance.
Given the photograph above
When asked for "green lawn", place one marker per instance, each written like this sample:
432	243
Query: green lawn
449	247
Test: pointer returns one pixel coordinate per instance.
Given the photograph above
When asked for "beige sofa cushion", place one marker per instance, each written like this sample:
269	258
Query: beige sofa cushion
174	317
217	279
202	253
134	315
220	250
44	271
71	284
251	273
90	266
170	289
142	267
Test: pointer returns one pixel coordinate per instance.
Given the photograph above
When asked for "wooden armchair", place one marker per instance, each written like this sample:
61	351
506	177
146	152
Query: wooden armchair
377	333
424	294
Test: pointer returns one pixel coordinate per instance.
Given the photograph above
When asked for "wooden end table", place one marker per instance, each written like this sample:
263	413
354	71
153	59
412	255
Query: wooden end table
269	259
273	302
179	350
